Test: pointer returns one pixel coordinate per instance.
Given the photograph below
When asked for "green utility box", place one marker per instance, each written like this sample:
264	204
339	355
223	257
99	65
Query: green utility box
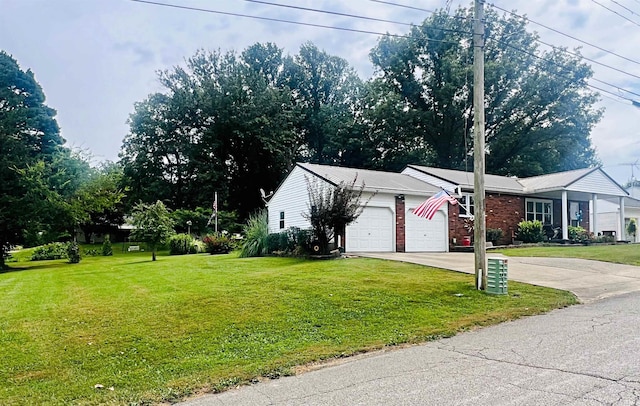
497	276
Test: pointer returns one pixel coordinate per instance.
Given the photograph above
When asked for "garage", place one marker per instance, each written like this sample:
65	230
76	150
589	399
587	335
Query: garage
424	235
372	231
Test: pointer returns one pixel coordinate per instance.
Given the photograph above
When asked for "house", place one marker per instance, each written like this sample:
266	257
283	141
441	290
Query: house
609	218
384	224
558	200
387	224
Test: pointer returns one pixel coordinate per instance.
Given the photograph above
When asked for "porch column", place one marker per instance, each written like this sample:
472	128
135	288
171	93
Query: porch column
565	216
594	203
621	236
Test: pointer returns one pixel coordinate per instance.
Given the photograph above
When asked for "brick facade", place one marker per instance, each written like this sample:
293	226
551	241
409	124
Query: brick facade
400	224
505	212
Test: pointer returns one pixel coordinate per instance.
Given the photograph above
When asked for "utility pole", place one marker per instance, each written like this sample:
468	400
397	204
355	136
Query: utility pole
479	223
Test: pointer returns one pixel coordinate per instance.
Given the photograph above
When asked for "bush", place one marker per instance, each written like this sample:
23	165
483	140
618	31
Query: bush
217	244
256	231
580	235
181	244
55	250
107	249
92	252
73	252
293	241
494	235
530	231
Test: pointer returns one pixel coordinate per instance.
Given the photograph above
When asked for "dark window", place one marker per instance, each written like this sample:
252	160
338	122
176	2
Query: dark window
281	220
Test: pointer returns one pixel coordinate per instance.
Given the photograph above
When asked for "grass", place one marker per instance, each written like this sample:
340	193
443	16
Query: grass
156	332
621	254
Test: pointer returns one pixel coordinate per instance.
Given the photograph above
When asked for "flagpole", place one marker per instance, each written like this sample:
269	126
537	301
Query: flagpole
215	208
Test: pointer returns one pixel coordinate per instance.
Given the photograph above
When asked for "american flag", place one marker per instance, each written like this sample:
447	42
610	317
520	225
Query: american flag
215	204
429	208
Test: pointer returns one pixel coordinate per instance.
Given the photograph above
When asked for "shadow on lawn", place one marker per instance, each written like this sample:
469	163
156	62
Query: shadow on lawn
10	268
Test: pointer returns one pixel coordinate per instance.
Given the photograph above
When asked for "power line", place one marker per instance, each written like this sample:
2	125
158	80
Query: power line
571	79
414	8
564	34
314	10
616	13
279	20
588	59
625	7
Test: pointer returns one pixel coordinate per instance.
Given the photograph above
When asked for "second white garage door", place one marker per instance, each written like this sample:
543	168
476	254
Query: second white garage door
372	231
424	235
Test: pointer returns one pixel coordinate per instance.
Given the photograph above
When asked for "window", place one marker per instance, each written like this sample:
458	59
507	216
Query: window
466	205
281	220
541	210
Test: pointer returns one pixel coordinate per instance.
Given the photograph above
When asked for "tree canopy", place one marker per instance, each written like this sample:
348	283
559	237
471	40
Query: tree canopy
539	110
30	142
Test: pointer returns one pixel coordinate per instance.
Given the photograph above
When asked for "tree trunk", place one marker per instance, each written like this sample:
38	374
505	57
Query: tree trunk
153	255
2	258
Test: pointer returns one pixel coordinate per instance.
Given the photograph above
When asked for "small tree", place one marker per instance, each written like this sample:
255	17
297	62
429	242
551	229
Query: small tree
632	228
153	225
332	209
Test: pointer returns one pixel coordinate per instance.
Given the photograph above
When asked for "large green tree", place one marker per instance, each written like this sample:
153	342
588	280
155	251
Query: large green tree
29	142
539	110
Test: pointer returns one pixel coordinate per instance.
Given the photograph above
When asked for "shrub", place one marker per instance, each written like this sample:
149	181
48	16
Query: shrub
530	231
580	235
107	249
256	231
632	228
217	244
200	246
54	250
494	235
181	244
73	252
294	241
92	252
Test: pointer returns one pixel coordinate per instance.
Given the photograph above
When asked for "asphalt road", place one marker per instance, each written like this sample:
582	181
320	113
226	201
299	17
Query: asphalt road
587	354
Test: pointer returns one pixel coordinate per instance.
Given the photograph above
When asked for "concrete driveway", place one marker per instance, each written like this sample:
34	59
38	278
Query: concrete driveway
588	280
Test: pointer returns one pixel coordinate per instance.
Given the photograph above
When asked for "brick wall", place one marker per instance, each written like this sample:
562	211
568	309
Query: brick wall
503	211
400	225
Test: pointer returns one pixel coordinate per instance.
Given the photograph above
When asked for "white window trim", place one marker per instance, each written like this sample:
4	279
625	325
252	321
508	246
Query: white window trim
464	210
526	211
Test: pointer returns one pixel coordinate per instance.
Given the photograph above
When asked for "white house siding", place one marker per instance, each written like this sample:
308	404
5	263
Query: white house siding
596	182
429	179
422	235
374	230
291	198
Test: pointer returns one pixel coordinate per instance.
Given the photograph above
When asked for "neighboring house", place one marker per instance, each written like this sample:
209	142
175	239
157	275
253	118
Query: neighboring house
558	200
387	223
609	218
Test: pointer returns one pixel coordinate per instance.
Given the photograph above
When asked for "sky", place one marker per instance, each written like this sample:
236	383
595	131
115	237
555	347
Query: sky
96	58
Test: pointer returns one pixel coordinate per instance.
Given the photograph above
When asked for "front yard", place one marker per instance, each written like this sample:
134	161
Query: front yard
620	254
151	332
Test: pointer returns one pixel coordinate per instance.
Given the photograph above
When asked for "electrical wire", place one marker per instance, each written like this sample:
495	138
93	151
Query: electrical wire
626	8
571	79
564	34
616	13
414	8
566	51
314	10
279	20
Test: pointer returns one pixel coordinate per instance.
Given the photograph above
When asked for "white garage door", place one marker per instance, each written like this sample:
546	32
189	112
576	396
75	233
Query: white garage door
373	231
424	235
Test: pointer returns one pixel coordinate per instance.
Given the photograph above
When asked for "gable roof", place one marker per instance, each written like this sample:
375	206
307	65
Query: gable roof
463	179
373	180
555	180
589	180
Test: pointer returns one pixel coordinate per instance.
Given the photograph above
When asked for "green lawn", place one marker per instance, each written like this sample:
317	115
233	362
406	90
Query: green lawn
621	254
158	331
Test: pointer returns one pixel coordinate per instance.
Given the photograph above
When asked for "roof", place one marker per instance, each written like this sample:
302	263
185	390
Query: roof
373	180
557	180
464	179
